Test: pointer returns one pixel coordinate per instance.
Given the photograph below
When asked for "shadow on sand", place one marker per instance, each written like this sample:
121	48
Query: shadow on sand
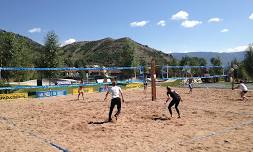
99	122
160	118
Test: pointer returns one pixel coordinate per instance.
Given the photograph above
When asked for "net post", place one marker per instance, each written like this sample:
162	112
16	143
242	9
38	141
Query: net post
153	84
233	80
143	73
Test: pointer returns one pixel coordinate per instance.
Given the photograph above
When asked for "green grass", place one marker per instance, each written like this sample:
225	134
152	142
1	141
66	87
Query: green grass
176	83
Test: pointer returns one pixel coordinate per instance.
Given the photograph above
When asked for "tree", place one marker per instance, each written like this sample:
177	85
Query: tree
216	61
238	70
15	52
50	56
248	61
185	61
6	49
80	63
173	62
6	53
193	61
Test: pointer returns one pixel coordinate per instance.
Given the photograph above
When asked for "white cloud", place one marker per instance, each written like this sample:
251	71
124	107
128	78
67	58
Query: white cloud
215	19
224	30
69	41
35	30
139	24
190	23
161	23
251	16
238	48
181	15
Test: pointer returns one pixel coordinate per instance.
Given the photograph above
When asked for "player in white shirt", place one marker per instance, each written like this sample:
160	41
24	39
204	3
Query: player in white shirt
116	93
243	89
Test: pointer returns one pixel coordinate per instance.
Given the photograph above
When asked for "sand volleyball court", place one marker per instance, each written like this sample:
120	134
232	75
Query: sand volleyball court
212	120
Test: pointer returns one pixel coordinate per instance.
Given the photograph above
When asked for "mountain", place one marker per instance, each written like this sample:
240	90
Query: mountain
18	51
104	52
226	58
27	40
113	52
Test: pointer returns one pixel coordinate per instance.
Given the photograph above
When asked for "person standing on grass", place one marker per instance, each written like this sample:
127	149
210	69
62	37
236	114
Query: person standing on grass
243	89
116	92
80	90
175	100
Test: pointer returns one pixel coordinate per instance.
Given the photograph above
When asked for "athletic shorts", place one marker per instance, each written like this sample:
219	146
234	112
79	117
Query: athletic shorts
116	101
80	91
244	91
174	102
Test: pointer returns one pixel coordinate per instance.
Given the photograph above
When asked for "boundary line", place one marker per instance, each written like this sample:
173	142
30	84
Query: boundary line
10	123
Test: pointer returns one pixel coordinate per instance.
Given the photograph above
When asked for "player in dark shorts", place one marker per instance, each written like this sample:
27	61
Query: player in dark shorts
175	100
116	100
190	81
145	85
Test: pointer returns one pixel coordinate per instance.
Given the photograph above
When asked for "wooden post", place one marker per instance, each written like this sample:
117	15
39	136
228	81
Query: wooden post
233	83
167	71
153	78
233	77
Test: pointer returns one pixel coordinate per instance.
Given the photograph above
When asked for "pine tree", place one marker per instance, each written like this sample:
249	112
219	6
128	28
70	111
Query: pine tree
50	56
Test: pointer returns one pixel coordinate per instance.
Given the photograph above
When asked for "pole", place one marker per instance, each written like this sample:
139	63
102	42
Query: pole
143	74
233	81
167	72
153	77
233	78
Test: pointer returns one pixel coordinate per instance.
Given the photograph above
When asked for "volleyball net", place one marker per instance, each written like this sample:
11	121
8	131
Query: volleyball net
47	78
202	76
183	72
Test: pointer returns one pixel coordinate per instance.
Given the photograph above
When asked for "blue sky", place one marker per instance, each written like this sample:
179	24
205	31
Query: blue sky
167	25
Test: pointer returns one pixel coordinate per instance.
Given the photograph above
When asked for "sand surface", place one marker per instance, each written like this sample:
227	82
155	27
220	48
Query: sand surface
212	120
